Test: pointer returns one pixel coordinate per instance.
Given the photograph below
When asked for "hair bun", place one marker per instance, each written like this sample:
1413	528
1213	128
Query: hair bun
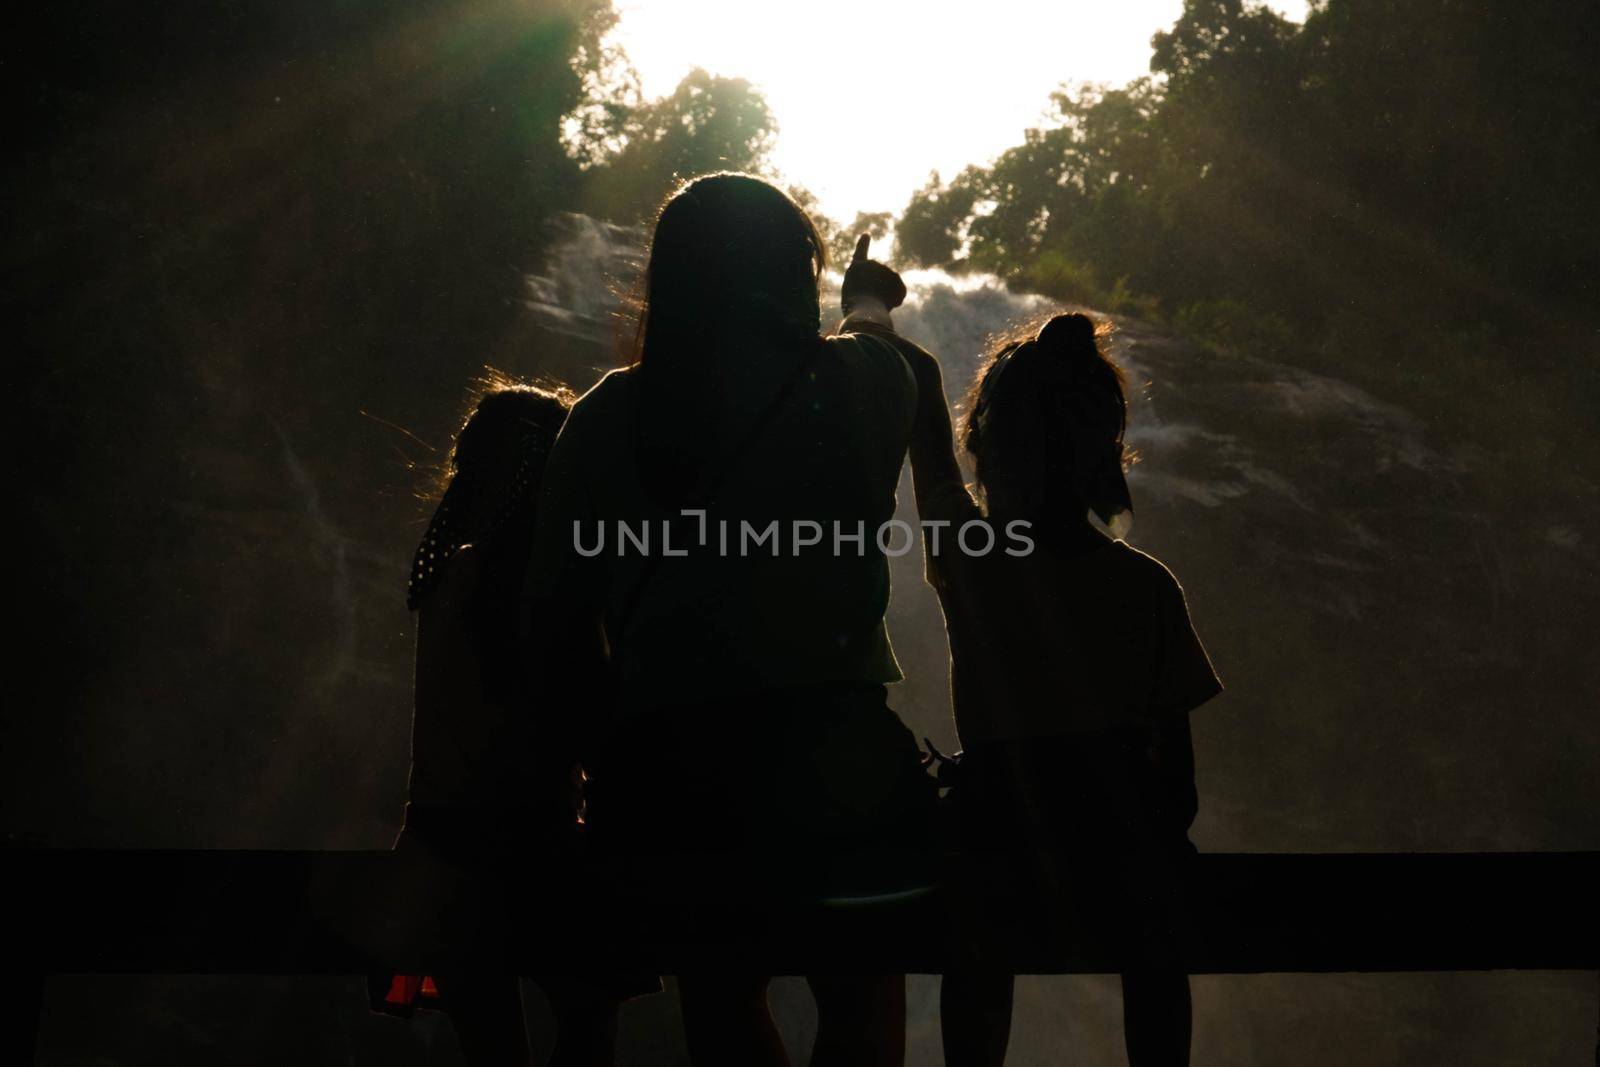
1067	336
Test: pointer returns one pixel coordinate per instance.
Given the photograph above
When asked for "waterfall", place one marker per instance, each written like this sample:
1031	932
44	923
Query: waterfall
587	271
592	264
1356	574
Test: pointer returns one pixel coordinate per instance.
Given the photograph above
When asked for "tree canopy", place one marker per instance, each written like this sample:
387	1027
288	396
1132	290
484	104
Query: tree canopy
634	151
1394	179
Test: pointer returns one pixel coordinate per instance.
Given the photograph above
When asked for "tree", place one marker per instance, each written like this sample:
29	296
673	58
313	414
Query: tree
842	241
709	123
931	230
597	128
1353	182
246	223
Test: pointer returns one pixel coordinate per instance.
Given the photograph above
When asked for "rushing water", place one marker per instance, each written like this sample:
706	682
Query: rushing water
1328	539
1395	633
1377	604
593	264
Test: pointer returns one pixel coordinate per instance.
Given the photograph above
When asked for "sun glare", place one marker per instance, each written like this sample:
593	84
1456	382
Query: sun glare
870	97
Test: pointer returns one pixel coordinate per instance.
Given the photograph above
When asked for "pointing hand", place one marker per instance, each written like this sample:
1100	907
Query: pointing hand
869	279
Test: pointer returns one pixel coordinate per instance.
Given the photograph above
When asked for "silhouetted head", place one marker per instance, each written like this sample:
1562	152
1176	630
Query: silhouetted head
1044	423
731	252
732	274
495	471
507	420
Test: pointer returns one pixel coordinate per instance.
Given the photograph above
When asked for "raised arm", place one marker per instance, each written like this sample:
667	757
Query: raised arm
870	293
934	470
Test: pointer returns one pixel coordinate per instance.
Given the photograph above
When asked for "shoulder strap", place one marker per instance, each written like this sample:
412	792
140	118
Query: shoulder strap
718	478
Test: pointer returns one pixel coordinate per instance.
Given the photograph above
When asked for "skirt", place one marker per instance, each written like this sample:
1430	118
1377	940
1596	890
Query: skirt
460	888
821	787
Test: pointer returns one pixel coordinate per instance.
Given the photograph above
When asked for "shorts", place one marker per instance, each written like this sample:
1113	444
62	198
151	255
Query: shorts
1076	839
819	786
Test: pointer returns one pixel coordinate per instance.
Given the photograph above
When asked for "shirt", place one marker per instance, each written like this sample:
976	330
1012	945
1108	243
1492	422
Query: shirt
1063	638
739	612
473	745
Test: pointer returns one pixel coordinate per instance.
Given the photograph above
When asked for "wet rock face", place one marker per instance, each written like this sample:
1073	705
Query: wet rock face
1402	623
1401	626
1380	607
580	292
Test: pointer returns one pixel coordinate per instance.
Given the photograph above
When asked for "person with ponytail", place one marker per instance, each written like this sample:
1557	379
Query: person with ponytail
709	524
493	789
1074	668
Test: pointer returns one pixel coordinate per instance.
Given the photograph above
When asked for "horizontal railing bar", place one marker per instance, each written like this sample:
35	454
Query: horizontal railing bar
145	911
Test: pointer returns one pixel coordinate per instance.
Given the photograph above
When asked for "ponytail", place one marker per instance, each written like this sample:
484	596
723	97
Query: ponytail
1070	337
1045	421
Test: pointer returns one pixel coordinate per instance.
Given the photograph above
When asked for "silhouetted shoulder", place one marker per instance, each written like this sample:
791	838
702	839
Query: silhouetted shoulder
1181	675
878	358
867	342
591	440
606	400
1146	569
592	431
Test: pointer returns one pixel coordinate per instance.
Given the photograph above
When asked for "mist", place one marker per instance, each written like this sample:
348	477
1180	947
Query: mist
256	258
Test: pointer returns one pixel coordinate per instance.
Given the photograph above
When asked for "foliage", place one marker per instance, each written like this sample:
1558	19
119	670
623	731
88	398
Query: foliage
931	231
635	151
246	224
596	129
841	240
1424	167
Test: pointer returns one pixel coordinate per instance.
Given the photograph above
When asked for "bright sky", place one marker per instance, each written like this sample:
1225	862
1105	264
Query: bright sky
870	95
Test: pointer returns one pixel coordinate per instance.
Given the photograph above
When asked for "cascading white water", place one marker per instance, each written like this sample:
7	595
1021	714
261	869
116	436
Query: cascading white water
588	268
1343	558
1364	587
593	263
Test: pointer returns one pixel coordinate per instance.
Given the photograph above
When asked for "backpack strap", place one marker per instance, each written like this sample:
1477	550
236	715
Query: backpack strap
730	463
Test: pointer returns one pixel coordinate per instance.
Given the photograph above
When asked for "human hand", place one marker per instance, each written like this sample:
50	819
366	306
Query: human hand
871	281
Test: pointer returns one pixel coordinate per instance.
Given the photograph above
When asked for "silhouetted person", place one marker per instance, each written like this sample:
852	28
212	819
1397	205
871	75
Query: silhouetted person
751	716
1074	668
493	788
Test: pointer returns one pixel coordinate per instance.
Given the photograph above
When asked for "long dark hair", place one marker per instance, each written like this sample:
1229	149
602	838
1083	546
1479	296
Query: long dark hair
1045	420
731	254
494	472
